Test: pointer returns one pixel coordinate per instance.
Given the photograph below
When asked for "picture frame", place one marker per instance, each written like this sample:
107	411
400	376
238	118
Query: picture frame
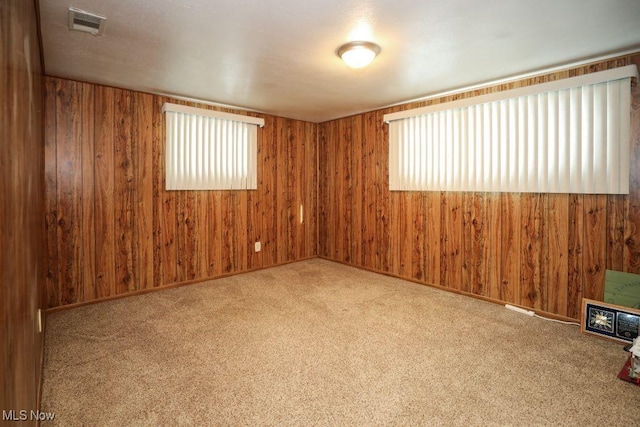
609	321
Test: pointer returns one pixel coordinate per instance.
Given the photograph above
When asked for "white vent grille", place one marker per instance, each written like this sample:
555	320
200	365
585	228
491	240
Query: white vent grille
80	20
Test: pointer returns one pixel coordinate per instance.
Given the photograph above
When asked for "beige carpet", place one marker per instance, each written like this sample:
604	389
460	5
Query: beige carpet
319	343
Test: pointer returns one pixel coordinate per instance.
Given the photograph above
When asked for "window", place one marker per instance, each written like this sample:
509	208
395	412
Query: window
565	136
210	150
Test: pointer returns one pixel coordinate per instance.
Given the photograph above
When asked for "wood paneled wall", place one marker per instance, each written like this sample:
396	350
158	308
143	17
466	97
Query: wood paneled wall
544	251
112	229
22	209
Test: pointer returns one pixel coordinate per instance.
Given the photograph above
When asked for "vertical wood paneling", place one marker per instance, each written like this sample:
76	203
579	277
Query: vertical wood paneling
480	245
88	194
405	234
241	235
187	235
558	216
69	190
229	248
113	227
301	141
369	181
467	247
575	258
615	231
357	187
51	199
451	225
382	188
282	203
104	191
323	191
493	247
532	270
22	226
157	153
418	235
310	189
270	231
215	234
340	185
331	199
294	143
632	223
143	135
433	239
543	251
125	194
510	248
345	219
595	245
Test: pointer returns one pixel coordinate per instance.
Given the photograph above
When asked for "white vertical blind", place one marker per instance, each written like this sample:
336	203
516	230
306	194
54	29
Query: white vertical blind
208	150
568	140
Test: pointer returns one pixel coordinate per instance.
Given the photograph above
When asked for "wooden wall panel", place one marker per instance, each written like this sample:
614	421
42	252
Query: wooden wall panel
357	188
22	224
418	220
509	242
51	198
323	195
369	219
433	238
632	218
88	192
114	230
69	190
124	196
557	288
595	245
143	134
105	282
494	249
543	251
615	231
157	180
270	199
575	251
451	226
533	278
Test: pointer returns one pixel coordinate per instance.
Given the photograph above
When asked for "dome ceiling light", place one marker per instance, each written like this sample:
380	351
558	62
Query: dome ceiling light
358	54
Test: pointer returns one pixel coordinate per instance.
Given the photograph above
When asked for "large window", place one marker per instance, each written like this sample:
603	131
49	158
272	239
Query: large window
210	150
566	136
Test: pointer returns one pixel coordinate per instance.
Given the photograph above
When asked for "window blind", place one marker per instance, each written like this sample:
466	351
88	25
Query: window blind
569	136
210	150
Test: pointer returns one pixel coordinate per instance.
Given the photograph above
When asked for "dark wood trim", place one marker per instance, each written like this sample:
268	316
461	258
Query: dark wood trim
165	287
542	313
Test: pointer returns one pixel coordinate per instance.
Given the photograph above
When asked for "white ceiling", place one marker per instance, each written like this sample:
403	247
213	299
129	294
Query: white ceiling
278	57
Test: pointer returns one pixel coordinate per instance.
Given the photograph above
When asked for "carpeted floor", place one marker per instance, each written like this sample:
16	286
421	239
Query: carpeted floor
319	343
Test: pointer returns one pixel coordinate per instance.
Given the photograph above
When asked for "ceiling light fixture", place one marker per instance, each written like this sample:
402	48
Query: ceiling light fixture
358	54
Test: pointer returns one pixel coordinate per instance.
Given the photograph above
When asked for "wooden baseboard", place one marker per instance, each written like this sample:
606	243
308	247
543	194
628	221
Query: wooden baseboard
169	286
457	291
373	270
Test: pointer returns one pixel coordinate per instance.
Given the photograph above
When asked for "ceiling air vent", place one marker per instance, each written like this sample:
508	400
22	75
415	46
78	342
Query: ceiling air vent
79	20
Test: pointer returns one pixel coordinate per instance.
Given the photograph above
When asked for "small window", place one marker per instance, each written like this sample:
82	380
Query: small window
210	150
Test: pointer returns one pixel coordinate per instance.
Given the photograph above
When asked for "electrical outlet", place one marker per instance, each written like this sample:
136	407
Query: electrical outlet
258	246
